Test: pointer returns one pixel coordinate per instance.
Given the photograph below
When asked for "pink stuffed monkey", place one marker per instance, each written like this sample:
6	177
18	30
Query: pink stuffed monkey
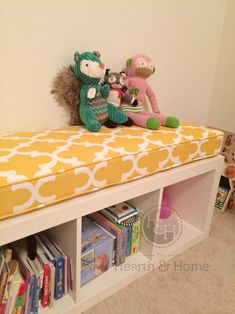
138	69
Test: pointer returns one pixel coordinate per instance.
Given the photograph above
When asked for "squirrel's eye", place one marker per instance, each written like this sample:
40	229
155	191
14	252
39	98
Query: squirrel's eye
86	64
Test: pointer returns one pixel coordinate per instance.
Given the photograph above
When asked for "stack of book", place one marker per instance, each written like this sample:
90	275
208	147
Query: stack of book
123	222
25	284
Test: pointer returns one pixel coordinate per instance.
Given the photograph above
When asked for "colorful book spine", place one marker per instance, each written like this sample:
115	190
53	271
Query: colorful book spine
135	240
27	277
52	285
59	281
128	247
36	296
45	262
20	298
135	224
45	289
32	285
66	265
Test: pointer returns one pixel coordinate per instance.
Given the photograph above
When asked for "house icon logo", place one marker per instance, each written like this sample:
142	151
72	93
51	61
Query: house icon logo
161	232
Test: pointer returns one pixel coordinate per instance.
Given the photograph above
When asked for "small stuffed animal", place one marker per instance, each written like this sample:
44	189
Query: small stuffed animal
139	68
117	94
94	108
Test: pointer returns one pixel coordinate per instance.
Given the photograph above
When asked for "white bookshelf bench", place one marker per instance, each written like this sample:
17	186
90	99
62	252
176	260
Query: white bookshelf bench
191	192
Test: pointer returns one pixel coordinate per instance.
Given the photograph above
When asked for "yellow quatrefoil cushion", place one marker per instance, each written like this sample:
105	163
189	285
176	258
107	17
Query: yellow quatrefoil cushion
44	167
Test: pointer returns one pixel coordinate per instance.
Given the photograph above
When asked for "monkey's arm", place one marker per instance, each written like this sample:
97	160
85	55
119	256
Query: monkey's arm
127	82
152	99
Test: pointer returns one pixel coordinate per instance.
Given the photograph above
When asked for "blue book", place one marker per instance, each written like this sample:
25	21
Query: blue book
37	287
128	247
31	294
35	296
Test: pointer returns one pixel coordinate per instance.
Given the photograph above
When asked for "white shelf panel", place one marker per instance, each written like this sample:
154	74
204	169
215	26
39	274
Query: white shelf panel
61	306
189	237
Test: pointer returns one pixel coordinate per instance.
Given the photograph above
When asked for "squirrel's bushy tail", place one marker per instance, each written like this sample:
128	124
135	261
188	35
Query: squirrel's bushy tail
66	91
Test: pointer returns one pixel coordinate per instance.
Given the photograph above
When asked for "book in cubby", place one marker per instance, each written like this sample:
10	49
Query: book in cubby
28	283
112	233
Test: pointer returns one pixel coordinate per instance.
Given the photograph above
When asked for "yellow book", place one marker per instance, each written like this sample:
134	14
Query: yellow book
135	238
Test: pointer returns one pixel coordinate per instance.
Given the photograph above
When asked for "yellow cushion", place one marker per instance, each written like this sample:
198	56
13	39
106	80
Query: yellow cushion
44	167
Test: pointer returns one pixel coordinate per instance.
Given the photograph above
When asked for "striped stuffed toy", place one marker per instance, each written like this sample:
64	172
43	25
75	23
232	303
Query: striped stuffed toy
94	108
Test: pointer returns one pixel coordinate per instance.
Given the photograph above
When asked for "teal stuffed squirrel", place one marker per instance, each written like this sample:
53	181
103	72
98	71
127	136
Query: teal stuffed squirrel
94	107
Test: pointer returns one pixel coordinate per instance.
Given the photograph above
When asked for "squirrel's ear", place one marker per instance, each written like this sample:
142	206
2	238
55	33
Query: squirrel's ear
76	56
97	53
107	72
128	62
153	70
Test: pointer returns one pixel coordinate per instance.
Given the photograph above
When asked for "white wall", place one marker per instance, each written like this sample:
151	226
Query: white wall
37	37
222	107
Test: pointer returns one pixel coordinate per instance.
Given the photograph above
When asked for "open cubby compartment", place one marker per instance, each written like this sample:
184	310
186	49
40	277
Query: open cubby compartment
66	236
135	265
193	201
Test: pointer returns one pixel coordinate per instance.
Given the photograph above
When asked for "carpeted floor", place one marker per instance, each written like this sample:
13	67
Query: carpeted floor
199	281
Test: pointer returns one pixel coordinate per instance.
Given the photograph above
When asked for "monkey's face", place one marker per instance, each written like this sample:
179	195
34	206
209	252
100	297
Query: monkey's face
143	68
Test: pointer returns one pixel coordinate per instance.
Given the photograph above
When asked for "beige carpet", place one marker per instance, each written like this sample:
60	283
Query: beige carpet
209	291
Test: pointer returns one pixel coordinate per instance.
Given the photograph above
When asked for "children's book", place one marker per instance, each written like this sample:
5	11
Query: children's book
13	289
52	285
135	239
129	223
20	298
37	287
97	250
39	266
45	262
20	253
49	291
70	274
129	234
119	212
114	240
120	233
3	277
222	198
67	260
